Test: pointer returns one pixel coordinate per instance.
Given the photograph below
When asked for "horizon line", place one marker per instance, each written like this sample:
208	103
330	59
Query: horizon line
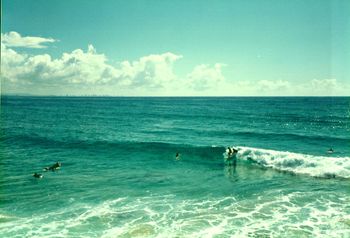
222	96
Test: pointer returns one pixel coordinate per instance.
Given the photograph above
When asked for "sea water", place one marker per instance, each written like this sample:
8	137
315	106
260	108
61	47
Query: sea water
120	176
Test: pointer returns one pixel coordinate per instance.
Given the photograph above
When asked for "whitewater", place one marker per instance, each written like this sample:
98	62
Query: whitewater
304	164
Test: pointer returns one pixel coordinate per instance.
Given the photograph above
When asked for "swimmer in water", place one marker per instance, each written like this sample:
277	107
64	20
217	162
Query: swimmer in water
330	150
36	175
57	165
177	157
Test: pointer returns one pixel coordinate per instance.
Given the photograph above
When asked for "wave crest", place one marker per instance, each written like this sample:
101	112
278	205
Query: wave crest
316	166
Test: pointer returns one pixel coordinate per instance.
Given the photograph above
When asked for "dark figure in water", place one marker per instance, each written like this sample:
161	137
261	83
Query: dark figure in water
54	167
330	150
230	151
57	165
177	157
232	156
36	175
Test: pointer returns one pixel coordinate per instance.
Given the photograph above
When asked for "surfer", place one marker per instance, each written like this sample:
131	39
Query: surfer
234	160
36	175
177	157
57	165
330	150
54	167
232	152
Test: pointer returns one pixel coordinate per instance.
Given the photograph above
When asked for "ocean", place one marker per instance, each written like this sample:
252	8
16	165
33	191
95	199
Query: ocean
120	176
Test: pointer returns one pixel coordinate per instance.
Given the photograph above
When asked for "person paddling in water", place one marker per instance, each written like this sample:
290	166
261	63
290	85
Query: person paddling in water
54	167
36	175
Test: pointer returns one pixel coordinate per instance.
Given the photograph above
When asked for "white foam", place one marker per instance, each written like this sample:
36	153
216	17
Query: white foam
316	166
271	214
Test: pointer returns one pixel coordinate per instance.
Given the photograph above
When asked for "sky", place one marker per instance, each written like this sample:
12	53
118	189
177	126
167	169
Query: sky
176	47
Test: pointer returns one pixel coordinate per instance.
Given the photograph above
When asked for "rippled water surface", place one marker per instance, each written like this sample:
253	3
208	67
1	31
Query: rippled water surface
120	177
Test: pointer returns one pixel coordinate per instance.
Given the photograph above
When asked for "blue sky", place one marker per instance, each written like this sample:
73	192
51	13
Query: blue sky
154	47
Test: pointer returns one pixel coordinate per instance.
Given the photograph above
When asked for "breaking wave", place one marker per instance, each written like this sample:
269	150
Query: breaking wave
315	166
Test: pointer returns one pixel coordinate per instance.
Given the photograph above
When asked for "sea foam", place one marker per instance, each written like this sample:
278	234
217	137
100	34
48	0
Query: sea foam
315	166
270	214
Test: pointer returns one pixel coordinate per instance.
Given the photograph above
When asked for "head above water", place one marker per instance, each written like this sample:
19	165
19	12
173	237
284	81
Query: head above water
36	175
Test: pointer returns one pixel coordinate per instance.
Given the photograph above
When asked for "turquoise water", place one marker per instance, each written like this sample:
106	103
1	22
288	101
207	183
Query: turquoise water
120	178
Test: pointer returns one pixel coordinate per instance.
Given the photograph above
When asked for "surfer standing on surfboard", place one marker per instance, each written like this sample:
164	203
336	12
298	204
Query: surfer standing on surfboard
232	152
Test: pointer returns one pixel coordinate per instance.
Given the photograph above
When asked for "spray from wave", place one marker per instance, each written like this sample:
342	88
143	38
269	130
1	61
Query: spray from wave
315	166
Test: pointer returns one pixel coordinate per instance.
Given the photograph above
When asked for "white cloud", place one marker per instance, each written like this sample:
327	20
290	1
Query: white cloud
14	39
89	72
87	68
273	85
205	77
315	87
323	87
10	62
150	71
255	88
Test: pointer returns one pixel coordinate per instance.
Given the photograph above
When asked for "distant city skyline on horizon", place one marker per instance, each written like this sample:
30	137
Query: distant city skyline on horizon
175	48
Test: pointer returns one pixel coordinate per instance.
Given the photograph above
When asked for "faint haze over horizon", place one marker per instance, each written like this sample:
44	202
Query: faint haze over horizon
175	48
